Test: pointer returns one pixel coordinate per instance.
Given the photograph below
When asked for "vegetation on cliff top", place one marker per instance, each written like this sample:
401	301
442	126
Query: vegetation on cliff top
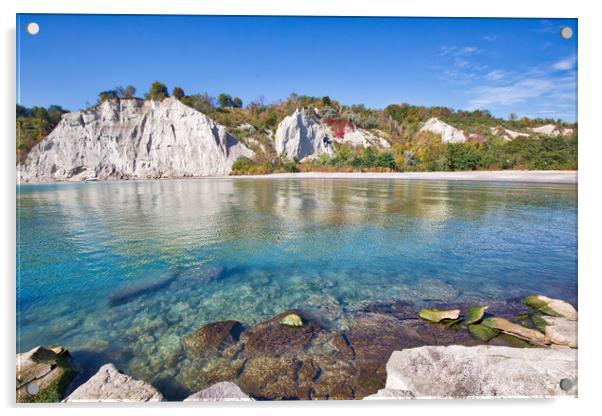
411	149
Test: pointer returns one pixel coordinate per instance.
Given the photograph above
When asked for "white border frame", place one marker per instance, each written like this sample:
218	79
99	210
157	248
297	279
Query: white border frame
590	154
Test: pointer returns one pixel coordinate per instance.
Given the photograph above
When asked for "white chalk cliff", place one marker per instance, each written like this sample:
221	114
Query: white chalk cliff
131	138
302	136
448	133
552	130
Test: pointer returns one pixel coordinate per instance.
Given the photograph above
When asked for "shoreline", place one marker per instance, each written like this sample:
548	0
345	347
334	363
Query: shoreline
558	177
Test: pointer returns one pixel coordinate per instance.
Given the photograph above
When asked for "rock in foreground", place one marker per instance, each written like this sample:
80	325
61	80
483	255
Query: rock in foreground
109	385
479	372
43	374
220	392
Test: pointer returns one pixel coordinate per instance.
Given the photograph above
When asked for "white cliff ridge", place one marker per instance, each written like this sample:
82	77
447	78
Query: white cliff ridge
448	133
130	139
301	136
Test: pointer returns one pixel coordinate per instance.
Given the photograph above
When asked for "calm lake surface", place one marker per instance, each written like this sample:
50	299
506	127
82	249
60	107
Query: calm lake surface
326	245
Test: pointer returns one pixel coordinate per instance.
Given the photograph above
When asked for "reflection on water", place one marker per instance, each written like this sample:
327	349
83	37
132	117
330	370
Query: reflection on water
324	245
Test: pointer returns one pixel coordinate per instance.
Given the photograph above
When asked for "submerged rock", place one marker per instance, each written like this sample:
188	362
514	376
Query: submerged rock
213	338
130	291
109	385
220	392
43	374
131	138
481	371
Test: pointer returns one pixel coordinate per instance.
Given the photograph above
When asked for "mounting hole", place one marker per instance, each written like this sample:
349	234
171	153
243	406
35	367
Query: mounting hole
33	388
566	32
33	28
566	384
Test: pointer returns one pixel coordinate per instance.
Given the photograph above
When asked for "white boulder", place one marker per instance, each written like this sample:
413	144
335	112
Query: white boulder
220	392
448	133
480	371
109	385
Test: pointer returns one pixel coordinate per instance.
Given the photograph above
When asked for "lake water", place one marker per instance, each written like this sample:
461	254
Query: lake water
328	246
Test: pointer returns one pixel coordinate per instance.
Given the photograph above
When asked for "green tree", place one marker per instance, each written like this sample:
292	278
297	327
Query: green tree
107	95
236	102
224	100
386	160
157	91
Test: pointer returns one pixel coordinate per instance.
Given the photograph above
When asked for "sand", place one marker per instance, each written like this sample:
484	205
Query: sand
549	176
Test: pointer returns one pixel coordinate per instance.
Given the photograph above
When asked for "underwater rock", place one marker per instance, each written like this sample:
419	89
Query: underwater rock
128	292
482	371
43	374
220	392
553	307
213	337
109	385
272	339
197	275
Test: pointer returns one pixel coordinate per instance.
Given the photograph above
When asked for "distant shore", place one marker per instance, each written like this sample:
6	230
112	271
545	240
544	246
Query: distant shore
535	176
525	176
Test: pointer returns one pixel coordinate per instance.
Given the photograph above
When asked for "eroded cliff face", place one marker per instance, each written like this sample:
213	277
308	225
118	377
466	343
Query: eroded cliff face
301	136
304	136
448	133
133	139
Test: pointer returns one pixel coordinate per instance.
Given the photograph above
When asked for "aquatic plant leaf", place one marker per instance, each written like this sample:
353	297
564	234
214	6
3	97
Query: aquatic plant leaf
449	323
291	320
435	315
528	334
515	342
539	322
482	332
475	314
552	307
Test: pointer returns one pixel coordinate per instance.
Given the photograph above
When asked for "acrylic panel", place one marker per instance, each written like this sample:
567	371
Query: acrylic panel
215	208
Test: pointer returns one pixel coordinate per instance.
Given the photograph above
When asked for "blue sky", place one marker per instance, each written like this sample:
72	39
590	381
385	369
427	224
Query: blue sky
503	65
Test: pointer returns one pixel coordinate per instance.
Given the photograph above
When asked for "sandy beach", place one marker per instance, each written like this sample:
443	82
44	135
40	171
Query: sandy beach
550	176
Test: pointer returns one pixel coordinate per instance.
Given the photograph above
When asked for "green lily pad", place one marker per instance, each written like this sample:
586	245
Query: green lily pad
475	314
435	315
482	332
291	320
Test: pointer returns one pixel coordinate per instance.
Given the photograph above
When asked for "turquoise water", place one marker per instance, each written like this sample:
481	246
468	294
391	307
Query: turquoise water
324	245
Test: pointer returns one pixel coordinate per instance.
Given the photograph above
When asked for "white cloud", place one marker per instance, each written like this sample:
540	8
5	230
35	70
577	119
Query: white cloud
566	63
495	75
514	93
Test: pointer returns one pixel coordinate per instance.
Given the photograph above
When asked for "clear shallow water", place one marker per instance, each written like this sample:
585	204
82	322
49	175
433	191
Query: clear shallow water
323	245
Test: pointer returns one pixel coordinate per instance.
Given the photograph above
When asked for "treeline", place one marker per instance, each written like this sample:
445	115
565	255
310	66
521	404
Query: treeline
33	124
546	153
